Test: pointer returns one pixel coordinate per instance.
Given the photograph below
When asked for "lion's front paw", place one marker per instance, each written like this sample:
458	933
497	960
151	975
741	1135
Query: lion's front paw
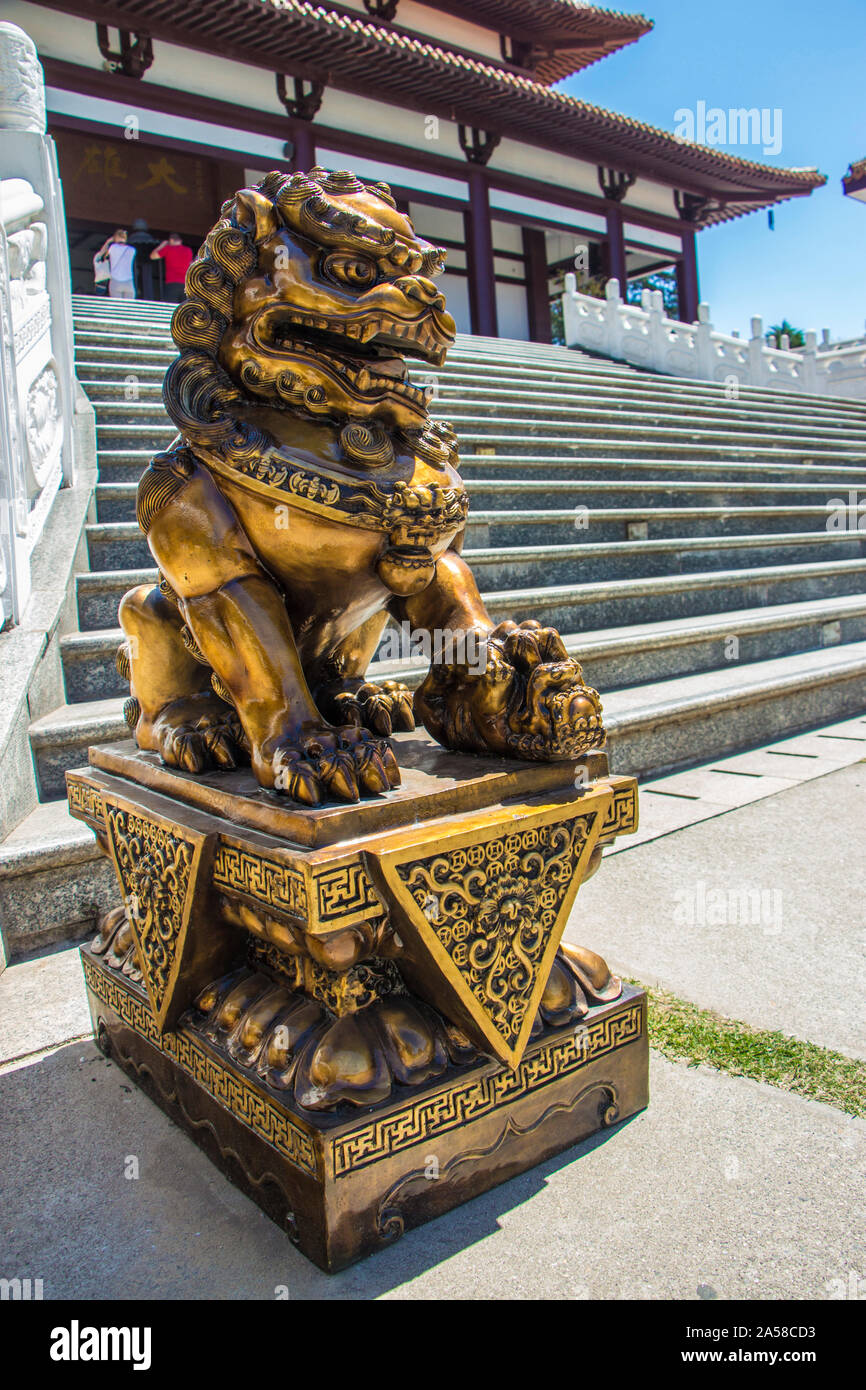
382	709
341	763
195	735
529	701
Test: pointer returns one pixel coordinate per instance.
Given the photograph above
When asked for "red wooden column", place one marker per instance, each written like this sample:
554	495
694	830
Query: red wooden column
479	255
616	248
537	296
687	278
304	141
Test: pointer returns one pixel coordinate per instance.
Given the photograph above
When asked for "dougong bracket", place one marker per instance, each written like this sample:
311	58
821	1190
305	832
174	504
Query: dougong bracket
614	184
692	207
382	9
478	145
516	52
134	56
304	105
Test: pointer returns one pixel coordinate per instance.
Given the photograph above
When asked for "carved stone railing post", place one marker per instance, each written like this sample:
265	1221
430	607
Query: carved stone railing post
810	362
37	400
703	343
756	352
656	334
612	318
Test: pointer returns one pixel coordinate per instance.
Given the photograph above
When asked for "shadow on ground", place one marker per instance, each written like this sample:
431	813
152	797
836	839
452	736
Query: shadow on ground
73	1121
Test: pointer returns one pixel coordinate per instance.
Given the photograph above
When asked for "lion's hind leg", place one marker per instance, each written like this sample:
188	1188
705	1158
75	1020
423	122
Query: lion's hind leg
174	709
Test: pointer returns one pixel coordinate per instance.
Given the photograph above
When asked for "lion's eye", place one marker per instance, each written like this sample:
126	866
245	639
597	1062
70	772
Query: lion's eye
356	271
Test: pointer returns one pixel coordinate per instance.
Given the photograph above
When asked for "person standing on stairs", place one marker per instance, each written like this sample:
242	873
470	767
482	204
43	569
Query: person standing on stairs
121	261
142	238
178	259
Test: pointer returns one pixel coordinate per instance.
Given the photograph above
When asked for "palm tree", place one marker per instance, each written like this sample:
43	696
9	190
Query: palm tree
796	336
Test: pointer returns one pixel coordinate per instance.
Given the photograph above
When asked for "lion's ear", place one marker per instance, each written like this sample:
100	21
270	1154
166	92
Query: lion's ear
256	213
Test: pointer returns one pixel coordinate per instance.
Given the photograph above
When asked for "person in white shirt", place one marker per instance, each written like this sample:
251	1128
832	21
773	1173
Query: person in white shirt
121	260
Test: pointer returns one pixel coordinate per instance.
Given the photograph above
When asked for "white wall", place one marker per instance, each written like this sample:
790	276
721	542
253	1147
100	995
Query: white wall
456	291
512	315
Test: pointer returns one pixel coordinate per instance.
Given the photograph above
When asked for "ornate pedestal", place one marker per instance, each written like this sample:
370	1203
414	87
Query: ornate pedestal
361	1013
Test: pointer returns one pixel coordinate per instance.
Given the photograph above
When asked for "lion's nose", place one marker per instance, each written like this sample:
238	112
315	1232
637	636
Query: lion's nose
420	288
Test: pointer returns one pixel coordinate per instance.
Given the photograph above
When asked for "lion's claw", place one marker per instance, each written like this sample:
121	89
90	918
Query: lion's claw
341	763
381	709
196	737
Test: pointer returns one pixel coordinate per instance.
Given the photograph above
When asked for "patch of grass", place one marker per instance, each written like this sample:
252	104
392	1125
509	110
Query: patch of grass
679	1029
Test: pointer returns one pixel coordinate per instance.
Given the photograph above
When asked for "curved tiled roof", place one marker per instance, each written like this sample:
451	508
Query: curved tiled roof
344	50
566	36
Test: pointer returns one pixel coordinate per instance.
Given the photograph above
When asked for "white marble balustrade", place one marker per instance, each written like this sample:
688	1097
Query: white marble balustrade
644	336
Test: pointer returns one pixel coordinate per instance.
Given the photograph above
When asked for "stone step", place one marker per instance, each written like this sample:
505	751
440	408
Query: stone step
640	440
110	393
617	602
612	659
549	526
495	355
532	466
121	545
129	360
116	501
567	368
654	728
60	740
102	375
54	881
675	724
526	566
130	402
513	522
666	395
98	365
691	445
574	606
541	476
99	360
98	594
89	669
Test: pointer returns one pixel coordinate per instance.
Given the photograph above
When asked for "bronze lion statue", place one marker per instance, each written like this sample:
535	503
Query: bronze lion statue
310	497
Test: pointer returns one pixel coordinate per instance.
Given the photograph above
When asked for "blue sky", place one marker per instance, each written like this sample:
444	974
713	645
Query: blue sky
807	58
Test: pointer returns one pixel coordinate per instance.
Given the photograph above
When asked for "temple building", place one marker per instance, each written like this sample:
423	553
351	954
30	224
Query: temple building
162	108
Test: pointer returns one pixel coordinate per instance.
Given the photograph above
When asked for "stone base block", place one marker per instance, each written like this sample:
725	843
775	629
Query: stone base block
345	1183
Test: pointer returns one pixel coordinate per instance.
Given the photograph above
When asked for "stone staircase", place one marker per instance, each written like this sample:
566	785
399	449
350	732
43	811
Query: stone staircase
678	538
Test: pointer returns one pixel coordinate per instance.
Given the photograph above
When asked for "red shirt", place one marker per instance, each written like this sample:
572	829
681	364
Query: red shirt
177	262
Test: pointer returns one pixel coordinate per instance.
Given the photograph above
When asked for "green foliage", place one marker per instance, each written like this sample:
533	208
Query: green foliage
664	280
796	336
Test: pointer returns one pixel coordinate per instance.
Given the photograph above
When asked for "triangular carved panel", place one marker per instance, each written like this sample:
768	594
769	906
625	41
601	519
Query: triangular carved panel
483	915
158	864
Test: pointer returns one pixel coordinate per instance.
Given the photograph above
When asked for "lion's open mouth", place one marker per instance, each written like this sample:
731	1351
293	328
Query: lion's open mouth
369	337
366	354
